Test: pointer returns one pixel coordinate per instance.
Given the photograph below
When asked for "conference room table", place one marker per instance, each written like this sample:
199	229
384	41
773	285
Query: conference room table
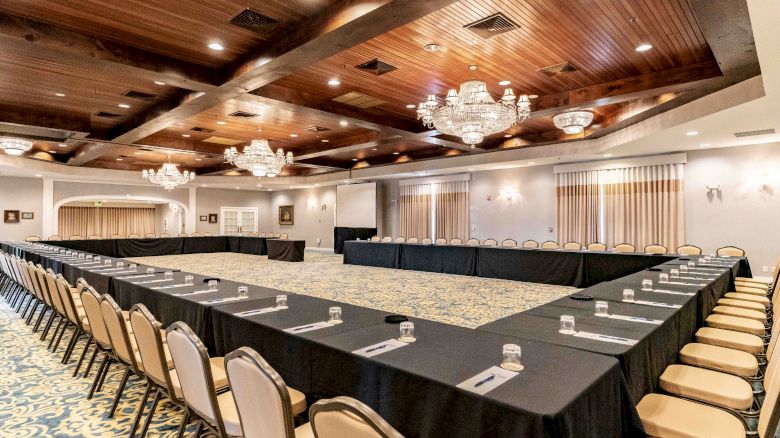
286	250
144	247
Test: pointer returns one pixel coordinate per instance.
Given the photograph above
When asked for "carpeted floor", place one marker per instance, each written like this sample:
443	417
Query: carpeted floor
453	299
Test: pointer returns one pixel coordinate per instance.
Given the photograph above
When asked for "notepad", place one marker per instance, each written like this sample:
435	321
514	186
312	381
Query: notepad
674	292
197	292
308	327
223	300
654	303
172	286
136	276
686	284
258	311
636	319
379	348
153	281
487	380
605	338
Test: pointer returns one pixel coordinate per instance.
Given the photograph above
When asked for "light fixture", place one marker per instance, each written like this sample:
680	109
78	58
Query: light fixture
411	106
354	159
259	159
396	153
38	175
216	46
504	83
704	145
324	140
573	122
373	149
471	113
293	135
471	170
692	133
15	146
259	129
123	105
343	123
259	185
433	47
59	94
168	176
334	82
199	159
643	47
120	159
607	155
221	122
159	82
507	135
185	135
62	145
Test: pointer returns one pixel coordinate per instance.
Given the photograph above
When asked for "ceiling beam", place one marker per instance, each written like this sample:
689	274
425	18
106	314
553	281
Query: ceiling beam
89	152
67	125
344	25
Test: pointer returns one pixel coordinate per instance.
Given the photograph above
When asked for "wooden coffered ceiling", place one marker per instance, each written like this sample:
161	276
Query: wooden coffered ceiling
126	85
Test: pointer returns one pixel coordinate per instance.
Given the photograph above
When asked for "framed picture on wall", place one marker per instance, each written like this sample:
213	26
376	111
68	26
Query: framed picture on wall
286	214
28	215
204	218
213	218
11	216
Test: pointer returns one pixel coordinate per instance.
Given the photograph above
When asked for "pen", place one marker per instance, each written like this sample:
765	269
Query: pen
485	380
376	348
305	327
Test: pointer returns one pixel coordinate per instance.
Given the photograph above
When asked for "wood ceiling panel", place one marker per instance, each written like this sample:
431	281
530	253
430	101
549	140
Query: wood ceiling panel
180	29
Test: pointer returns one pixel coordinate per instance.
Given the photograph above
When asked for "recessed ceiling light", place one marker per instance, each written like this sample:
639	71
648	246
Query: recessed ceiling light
59	94
293	135
692	133
643	47
507	135
62	145
324	140
204	185
259	129
704	145
199	159
343	123
373	149
504	83
159	82
334	82
185	135
221	122
533	96
530	163
607	155
38	175
346	180
471	170
136	153
216	46
236	188
396	153
411	106
316	185
354	159
123	105
259	185
433	47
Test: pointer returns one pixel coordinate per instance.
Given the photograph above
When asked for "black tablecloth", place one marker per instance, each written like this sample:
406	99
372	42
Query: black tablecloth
194	245
248	245
106	247
381	255
150	247
342	234
286	250
448	259
532	265
603	266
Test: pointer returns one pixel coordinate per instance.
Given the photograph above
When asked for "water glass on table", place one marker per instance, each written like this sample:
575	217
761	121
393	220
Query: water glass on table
243	292
334	315
628	295
407	332
567	325
281	302
647	284
602	308
663	277
511	353
213	285
188	280
675	273
168	275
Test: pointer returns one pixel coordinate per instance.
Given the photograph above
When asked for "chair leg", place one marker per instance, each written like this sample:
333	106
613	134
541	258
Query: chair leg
52	317
35	303
97	376
74	340
156	400
141	408
119	392
40	318
83	355
105	373
91	361
59	338
184	422
199	429
56	330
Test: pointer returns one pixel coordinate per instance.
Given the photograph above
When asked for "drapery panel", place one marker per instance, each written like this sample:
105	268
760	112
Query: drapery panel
577	206
416	206
452	210
105	221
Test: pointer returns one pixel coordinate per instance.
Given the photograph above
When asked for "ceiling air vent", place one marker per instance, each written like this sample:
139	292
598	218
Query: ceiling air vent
359	100
199	129
316	129
566	67
491	26
107	115
376	67
243	114
756	132
254	21
139	95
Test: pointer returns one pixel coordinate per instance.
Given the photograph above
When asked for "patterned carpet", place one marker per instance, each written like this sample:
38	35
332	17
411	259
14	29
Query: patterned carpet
453	299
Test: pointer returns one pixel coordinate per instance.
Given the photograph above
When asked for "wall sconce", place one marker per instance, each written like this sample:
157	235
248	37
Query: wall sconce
509	192
173	206
713	188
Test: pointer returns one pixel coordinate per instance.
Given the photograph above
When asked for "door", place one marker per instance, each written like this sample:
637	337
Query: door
238	221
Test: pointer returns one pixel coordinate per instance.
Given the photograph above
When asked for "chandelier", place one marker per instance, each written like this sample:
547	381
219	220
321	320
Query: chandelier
573	122
168	176
15	146
471	113
259	159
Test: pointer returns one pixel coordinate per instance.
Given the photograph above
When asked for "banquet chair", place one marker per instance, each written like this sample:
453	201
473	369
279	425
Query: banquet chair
195	234
375	238
456	241
216	412
55	237
284	236
341	417
261	234
473	242
75	237
655	249
387	239
161	376
45	285
61	304
94	237
266	406
164	235
207	234
32	238
688	250
252	234
182	235
150	236
441	241
572	245
550	244
530	243
768	283
624	247
74	312
511	243
732	251
426	240
117	236
596	246
133	236
412	240
399	240
490	242
91	301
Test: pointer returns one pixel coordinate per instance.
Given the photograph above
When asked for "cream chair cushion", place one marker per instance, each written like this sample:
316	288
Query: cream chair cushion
304	431
720	358
751	305
740	312
229	411
706	385
737	324
748	297
752	290
332	424
730	339
665	416
217	372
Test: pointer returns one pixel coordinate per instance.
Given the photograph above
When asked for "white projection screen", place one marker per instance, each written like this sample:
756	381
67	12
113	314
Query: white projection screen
356	205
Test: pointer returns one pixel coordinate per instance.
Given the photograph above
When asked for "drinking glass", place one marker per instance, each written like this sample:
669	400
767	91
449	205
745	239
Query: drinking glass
97	258
188	280
107	263
150	270
243	292
81	256
647	284
334	314
683	269
168	275
213	285
663	277
133	267
120	264
628	295
89	257
567	325
691	264
281	301
602	308
675	273
511	360
407	332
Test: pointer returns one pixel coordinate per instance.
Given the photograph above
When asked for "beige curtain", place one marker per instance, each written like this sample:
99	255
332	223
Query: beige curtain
105	221
452	210
644	205
416	211
577	206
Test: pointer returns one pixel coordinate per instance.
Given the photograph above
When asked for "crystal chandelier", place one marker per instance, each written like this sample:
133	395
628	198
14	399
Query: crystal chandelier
168	176
15	146
259	159
471	113
573	122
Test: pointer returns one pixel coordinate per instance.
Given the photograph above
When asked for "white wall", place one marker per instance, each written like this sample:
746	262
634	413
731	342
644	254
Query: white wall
173	218
23	194
311	220
210	201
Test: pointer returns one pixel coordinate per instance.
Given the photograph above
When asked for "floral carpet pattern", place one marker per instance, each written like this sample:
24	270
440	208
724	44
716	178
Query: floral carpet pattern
453	299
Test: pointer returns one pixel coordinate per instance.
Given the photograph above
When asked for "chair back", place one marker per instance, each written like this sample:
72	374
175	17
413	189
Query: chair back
150	236
572	245
426	240
769	416
117	331
183	235
688	250
441	241
191	360
656	249
206	234
730	251
375	238
91	301
412	240
528	243
32	238
387	239
146	330
133	236
94	237
165	235
261	396
550	244
195	234
261	234
625	247
400	240
117	236
67	301
55	237
473	242
597	246
341	417
284	236
490	242
76	237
